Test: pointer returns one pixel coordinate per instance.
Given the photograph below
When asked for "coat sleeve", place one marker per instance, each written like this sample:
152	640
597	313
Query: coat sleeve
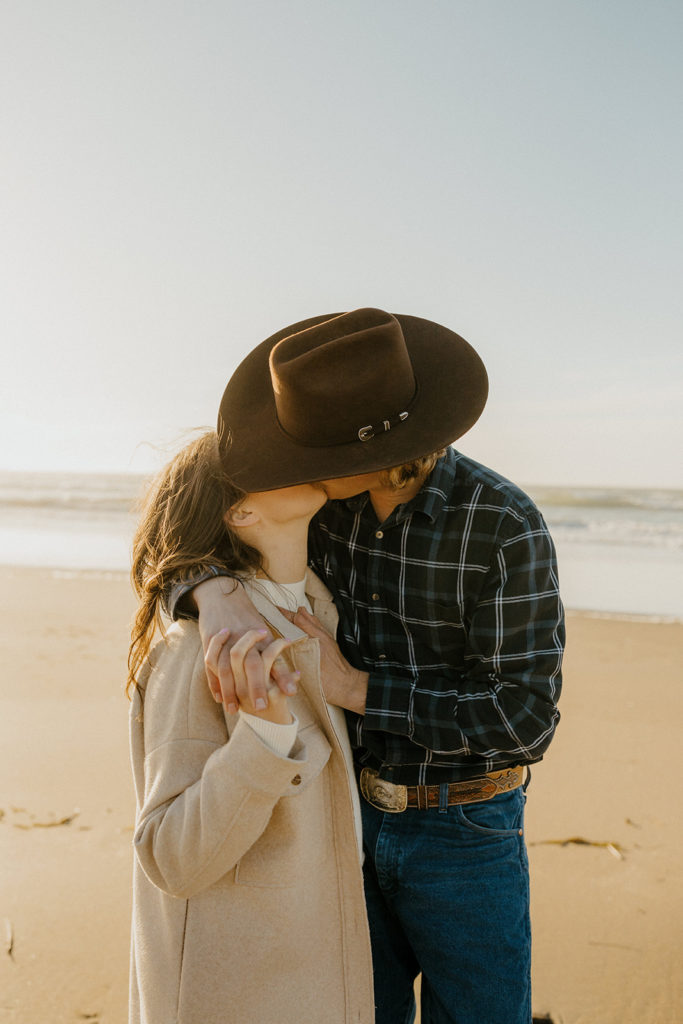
202	804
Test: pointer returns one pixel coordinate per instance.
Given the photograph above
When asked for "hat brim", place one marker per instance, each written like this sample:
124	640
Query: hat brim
452	387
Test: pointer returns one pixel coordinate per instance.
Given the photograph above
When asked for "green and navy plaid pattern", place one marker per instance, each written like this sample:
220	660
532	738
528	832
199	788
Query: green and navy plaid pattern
452	605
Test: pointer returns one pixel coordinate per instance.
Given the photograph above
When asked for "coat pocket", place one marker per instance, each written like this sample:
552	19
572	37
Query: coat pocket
298	836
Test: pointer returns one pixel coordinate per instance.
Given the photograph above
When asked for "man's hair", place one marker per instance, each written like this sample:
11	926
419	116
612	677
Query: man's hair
399	477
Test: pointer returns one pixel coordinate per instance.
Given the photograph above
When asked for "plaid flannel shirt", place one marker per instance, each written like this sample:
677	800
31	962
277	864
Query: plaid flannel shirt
452	606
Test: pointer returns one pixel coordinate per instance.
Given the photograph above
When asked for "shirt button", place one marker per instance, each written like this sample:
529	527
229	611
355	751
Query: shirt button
375	597
379	534
296	781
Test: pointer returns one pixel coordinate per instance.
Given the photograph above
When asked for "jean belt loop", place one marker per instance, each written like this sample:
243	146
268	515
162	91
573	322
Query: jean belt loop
525	784
443	797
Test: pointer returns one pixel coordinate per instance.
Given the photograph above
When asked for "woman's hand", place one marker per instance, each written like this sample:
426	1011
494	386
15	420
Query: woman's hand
223	603
343	684
276	709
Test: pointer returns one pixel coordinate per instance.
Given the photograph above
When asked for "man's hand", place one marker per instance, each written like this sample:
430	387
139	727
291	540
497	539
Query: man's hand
223	604
343	685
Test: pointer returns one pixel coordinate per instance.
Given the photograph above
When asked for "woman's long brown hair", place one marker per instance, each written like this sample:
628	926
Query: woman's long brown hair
182	531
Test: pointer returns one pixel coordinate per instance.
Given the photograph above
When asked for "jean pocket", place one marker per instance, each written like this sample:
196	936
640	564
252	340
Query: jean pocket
501	816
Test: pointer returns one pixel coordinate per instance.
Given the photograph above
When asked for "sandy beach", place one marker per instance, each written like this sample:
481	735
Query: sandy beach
604	825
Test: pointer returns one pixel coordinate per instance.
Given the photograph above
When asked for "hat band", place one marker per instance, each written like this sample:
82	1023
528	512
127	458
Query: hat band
364	433
367	433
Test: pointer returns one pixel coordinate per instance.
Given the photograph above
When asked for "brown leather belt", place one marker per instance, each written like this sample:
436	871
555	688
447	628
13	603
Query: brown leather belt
389	797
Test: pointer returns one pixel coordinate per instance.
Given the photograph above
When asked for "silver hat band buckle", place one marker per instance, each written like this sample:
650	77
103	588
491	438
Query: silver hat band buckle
365	433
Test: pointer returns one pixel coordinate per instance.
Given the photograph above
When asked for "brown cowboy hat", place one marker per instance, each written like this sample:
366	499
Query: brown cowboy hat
345	394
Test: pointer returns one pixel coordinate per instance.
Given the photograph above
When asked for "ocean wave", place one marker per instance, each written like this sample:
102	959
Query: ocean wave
76	492
649	500
663	534
608	516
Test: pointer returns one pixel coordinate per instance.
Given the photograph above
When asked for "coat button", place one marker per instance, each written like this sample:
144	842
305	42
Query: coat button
379	534
296	781
375	597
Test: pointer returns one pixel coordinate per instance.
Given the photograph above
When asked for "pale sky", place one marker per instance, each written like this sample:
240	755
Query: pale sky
178	181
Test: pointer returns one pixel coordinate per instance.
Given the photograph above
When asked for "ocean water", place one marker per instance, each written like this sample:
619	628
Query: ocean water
69	521
620	551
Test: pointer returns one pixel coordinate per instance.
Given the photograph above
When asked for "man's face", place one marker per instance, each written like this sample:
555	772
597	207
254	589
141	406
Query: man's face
347	486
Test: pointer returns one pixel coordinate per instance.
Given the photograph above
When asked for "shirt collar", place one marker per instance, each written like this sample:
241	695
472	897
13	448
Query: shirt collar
358	502
429	500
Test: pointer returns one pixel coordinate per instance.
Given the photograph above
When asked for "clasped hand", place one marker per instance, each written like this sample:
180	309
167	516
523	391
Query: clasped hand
242	675
271	704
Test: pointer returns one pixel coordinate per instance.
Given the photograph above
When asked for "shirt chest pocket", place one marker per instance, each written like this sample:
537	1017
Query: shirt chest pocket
298	836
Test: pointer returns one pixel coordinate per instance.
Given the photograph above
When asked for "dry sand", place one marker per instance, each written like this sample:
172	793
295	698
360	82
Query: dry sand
608	921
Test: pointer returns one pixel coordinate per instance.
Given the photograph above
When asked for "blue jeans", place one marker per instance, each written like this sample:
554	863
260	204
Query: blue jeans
447	892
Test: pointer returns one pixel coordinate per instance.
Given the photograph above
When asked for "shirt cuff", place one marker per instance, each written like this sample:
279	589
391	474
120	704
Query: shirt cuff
280	738
172	600
379	716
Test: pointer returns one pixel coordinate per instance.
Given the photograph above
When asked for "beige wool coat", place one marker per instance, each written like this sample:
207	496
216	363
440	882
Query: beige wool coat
248	902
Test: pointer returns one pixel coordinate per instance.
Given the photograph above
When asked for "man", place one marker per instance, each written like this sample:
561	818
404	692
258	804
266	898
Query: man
451	637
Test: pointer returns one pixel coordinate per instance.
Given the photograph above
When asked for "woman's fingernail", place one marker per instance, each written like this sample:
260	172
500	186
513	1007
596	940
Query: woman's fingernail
232	709
291	689
260	704
218	697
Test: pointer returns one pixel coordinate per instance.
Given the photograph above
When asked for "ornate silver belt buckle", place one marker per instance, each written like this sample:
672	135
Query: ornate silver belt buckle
385	796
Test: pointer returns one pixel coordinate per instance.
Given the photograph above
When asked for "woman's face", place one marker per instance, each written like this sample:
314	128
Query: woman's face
286	503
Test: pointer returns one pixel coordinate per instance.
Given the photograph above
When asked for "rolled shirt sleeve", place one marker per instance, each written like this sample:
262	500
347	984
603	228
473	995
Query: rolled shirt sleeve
174	603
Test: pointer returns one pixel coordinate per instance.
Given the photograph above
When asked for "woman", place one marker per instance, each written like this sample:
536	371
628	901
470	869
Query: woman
248	894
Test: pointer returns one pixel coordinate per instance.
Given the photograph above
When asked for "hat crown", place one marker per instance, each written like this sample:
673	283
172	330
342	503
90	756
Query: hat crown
336	378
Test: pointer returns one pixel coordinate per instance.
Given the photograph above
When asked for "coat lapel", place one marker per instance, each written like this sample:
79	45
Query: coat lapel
304	652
